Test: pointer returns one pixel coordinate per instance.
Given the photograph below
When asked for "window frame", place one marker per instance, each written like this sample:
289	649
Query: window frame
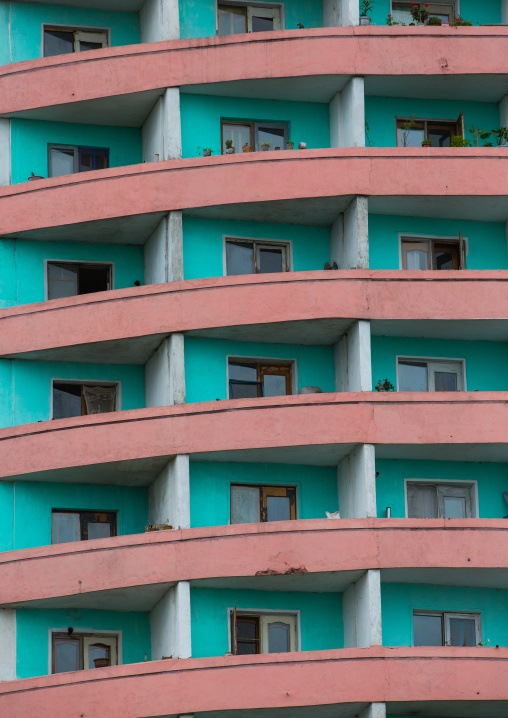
264	362
432	360
285	244
460	240
76	150
445	618
113	519
87	382
245	4
75	29
459	125
82	633
261	489
233	611
79	262
254	127
455	5
472	485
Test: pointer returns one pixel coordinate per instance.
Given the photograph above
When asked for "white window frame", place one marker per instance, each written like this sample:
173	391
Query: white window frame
80	631
267	6
85	33
435	238
274	614
441	361
473	485
446	615
287	243
264	360
111	266
87	382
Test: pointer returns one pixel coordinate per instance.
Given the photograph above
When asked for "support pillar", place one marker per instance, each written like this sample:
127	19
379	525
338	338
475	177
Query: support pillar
163	252
169	496
340	13
347	115
504	18
361	605
353	360
170	624
349	243
356	482
165	373
375	710
5	152
8	643
161	133
159	20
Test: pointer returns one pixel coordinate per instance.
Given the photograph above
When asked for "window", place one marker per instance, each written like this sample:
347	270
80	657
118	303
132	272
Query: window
262	633
68	160
430	375
71	399
251	379
256	257
439	501
439	628
254	134
82	525
81	651
254	504
61	40
439	132
235	19
66	279
433	253
445	11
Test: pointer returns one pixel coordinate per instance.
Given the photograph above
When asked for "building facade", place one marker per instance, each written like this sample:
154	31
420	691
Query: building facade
161	399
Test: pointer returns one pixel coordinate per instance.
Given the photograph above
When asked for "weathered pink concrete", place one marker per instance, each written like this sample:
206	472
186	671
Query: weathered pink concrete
293	53
232	301
252	177
304	420
225	551
312	678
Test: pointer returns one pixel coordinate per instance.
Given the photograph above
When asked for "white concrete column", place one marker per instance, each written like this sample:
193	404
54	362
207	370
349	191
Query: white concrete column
163	252
350	236
5	152
375	710
352	359
340	13
361	607
356	483
165	373
8	644
161	133
503	111
347	115
504	17
159	20
169	495
170	624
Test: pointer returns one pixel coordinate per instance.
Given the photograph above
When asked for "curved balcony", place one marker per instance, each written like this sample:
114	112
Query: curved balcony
137	570
300	187
329	55
267	682
313	428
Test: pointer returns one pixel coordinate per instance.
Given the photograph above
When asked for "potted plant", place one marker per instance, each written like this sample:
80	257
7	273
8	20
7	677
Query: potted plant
246	148
230	150
101	662
35	177
384	386
435	21
205	151
459	141
426	143
302	145
265	146
419	12
460	22
366	7
290	145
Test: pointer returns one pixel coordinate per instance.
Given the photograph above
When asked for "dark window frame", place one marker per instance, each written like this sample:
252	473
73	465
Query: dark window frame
81	384
254	127
263	368
75	30
446	615
456	127
242	8
85	517
109	266
77	150
57	636
433	242
258	244
266	490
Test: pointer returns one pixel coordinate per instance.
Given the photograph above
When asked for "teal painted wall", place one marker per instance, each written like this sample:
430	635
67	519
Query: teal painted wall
201	117
198	17
399	600
22	261
32	634
486	241
492	482
26	21
206	365
478	13
380	114
486	362
30	139
316	488
26	509
26	395
320	617
203	243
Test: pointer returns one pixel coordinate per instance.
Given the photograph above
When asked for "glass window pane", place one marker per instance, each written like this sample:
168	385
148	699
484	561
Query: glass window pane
85	160
262	24
274	385
445	381
242	390
440	137
244	505
428	630
270	260
454	507
67	655
278	508
414	137
102	529
246	629
239	134
62	280
99	655
85	45
412	376
232	21
243	372
66	400
278	637
421	501
462	631
61	162
274	135
101	160
65	527
239	258
58	42
444	259
416	259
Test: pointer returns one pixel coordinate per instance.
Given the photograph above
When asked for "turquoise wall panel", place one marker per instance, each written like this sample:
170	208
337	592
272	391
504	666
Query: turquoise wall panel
30	139
29	395
34	501
7	514
198	17
201	117
206	365
399	600
5	53
492	482
486	362
316	488
33	643
486	241
27	19
320	617
22	279
478	13
203	243
380	114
